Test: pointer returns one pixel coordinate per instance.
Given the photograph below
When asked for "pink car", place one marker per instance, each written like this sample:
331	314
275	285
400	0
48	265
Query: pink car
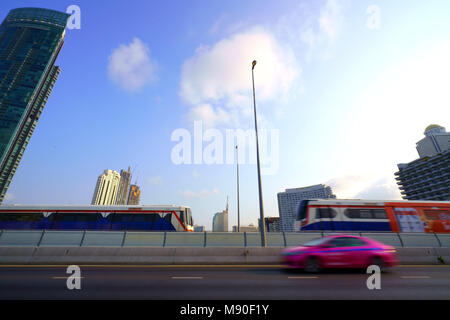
340	251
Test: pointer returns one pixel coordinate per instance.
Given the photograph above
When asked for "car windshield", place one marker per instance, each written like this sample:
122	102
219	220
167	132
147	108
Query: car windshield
316	242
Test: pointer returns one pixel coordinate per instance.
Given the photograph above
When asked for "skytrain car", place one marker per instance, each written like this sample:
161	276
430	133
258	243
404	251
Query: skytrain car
367	215
123	217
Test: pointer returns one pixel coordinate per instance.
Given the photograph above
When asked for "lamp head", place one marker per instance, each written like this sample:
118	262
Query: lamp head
253	64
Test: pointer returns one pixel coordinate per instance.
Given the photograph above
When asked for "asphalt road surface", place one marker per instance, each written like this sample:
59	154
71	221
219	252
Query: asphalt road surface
220	282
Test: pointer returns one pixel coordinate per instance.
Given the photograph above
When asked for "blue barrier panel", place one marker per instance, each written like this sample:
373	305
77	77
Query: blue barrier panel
253	239
444	239
297	239
20	237
185	239
274	239
225	239
391	239
419	240
53	238
145	239
103	239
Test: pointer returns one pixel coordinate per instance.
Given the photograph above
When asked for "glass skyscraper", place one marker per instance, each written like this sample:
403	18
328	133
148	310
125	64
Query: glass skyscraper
30	41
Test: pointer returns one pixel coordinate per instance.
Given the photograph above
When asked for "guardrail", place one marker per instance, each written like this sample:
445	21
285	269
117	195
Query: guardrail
52	238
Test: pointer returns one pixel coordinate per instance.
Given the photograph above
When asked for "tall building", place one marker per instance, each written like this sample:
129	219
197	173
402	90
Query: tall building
106	189
124	186
30	41
220	221
427	178
135	195
436	141
289	200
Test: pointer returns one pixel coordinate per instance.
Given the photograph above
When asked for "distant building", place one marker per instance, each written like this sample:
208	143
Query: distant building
30	41
249	228
124	186
272	224
134	196
436	141
289	200
427	178
220	221
199	228
106	189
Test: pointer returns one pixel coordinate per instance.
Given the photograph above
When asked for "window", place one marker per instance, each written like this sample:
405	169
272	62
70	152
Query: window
361	213
20	217
347	242
326	213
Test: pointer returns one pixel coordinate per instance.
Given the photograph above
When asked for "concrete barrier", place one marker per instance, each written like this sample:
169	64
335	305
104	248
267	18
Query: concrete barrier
182	255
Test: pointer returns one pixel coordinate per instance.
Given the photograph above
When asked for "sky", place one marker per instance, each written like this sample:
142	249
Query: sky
344	90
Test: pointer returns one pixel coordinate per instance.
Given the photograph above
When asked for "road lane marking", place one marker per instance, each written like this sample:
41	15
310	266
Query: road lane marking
187	278
184	266
303	277
415	277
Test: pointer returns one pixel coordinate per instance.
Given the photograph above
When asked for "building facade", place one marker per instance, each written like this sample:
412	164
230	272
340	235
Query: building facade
134	197
220	221
272	224
124	187
289	200
249	228
436	141
30	41
427	178
199	228
106	188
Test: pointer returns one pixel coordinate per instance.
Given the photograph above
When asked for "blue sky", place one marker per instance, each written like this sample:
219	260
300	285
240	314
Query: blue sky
349	86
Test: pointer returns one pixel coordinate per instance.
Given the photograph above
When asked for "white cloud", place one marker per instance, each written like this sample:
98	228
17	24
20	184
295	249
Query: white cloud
317	27
155	180
211	116
201	194
130	66
365	186
216	81
330	19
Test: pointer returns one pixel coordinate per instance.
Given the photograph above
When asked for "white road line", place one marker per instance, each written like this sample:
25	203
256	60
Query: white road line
183	278
303	277
415	277
66	277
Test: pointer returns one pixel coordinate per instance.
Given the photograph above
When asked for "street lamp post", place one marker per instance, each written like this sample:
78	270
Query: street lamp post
262	226
237	175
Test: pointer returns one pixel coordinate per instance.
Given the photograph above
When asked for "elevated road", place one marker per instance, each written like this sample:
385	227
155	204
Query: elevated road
220	282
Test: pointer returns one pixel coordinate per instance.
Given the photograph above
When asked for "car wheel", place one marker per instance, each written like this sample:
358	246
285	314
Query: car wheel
312	265
380	263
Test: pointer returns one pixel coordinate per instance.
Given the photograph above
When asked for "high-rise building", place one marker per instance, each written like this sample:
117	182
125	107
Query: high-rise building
289	200
30	41
220	221
135	195
124	186
427	178
106	189
436	141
